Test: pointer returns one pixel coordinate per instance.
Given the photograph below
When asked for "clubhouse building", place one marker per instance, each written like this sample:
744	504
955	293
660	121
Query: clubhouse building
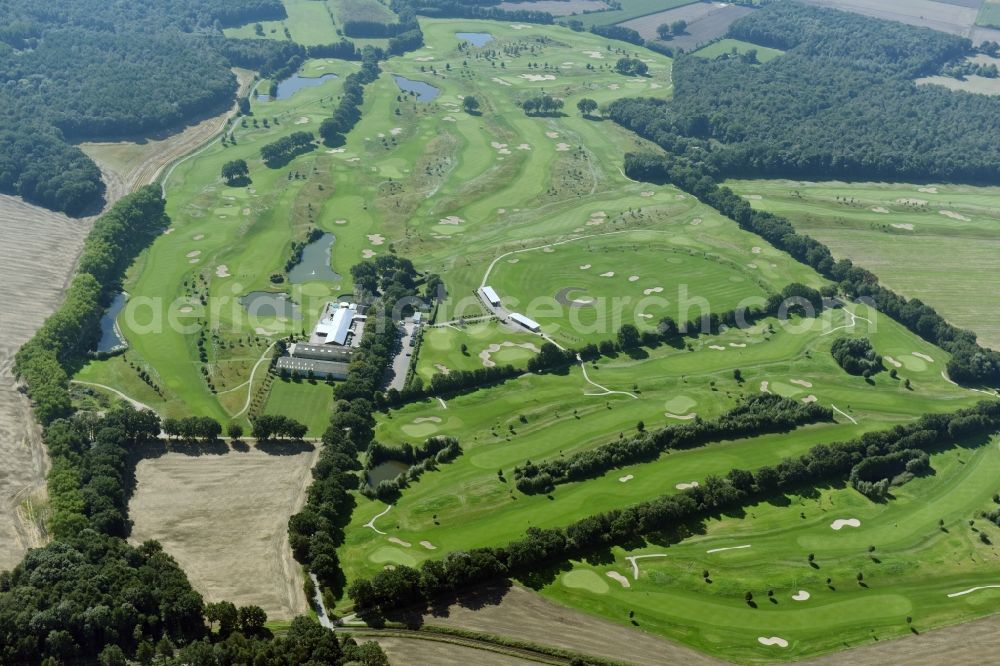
327	354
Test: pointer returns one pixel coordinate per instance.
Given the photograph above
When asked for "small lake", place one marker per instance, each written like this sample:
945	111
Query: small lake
271	304
475	38
295	83
386	471
315	262
425	92
111	339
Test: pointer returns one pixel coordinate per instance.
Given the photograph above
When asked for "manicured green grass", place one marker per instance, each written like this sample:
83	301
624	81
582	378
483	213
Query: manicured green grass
630	9
441	348
725	46
911	572
308	403
923	241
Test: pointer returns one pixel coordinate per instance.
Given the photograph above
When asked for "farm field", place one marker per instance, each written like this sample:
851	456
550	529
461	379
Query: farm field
919	239
726	46
566	7
465	503
989	14
631	9
223	516
766	550
972	83
952	17
706	21
309	22
38	249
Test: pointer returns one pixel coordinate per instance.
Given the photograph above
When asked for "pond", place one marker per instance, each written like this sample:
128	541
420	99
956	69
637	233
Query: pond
111	337
271	304
315	262
425	92
385	471
475	38
295	83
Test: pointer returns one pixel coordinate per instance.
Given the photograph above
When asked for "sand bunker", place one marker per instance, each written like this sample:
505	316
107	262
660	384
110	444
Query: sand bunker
428	545
524	146
953	215
376	239
845	522
424	58
764	386
194	253
772	640
906	226
186	309
681	417
973	589
303	120
222	271
893	361
717	347
595	221
198	237
453	119
513	261
751	265
880	209
928	190
334	151
427	419
368	254
562	147
497	79
753	197
613	86
685	486
614	575
340	221
719	550
801	595
442	368
608	274
395	131
633	278
809	398
923	356
696	221
538	77
756	250
584	267
626	478
652	290
647	193
552	135
738	345
400	542
487	353
519	26
801	382
451	219
597	55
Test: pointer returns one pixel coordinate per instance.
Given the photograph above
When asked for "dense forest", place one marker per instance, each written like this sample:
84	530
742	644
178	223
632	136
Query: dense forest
840	103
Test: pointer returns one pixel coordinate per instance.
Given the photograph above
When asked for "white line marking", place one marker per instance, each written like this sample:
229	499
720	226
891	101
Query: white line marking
719	550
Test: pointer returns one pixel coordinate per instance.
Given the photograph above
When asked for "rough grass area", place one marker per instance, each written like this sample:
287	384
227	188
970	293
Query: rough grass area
224	518
728	46
309	22
989	14
924	241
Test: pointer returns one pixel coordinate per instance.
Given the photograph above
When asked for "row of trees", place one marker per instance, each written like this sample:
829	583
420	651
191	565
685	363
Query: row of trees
434	451
62	344
405	587
275	426
542	105
281	152
754	416
192	428
969	363
334	129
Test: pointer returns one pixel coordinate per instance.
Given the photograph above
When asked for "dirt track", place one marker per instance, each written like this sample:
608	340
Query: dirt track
522	614
224	517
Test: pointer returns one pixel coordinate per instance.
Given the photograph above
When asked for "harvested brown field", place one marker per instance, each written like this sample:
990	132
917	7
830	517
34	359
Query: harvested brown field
557	7
706	21
38	250
525	615
423	651
224	518
946	17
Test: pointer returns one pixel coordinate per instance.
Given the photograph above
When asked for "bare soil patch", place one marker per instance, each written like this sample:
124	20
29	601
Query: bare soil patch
423	651
224	518
38	251
522	614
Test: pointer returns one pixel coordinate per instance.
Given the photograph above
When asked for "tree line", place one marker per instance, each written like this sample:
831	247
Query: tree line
284	150
406	587
856	356
333	130
63	342
970	363
756	415
434	451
